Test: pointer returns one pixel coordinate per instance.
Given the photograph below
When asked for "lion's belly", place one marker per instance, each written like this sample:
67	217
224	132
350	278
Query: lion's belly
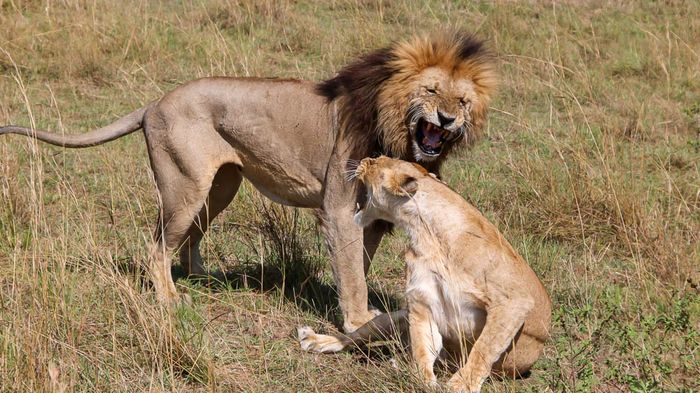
290	190
284	170
284	154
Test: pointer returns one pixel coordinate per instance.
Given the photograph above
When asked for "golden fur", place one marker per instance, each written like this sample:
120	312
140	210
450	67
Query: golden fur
413	57
292	140
467	289
380	92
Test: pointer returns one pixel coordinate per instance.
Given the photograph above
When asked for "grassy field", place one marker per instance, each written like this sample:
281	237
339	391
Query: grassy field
590	166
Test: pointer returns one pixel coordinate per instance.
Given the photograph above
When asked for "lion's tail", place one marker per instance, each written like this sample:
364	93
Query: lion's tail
382	327
126	125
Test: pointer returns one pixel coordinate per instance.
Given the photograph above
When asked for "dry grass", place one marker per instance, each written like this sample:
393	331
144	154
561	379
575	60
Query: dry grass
590	166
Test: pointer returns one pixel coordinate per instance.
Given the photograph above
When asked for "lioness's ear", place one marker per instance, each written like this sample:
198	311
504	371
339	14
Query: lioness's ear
402	185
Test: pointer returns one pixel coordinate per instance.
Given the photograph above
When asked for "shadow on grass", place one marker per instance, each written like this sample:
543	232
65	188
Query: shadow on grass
297	282
294	259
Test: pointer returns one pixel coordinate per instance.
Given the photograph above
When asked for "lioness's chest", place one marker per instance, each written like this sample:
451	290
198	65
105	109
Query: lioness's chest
453	301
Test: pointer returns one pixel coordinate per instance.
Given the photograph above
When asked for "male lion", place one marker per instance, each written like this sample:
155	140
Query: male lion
292	140
466	286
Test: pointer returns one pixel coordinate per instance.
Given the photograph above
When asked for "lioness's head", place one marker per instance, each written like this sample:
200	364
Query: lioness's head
417	99
390	183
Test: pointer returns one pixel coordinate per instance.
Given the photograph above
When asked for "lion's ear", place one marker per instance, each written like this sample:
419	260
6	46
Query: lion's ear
403	185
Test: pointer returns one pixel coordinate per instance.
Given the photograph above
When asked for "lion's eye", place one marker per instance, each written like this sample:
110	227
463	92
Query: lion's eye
431	90
463	101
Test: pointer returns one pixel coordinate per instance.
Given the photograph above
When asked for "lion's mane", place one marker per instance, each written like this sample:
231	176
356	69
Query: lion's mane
373	93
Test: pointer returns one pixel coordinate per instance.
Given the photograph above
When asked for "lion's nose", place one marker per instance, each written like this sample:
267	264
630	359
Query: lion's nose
445	118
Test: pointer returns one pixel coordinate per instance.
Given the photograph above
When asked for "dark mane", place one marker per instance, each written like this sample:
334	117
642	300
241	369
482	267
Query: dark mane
469	46
372	93
367	72
358	85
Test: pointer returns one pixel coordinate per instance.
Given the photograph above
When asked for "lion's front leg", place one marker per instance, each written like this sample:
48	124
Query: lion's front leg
345	245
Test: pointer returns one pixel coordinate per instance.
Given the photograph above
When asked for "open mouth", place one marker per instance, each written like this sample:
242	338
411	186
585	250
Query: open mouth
359	208
362	201
359	215
431	138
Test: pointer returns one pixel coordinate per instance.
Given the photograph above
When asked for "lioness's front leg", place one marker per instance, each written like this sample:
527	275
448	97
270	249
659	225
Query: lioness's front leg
345	245
426	340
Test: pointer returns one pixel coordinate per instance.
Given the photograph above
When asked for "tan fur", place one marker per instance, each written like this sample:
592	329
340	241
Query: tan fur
467	288
292	140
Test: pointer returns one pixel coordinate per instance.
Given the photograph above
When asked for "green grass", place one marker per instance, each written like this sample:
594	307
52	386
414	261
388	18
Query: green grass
590	166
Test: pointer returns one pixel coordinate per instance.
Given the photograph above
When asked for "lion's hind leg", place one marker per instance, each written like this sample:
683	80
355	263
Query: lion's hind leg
171	230
223	189
158	270
183	198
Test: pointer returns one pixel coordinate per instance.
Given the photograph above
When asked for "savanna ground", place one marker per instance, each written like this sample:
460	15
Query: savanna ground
590	166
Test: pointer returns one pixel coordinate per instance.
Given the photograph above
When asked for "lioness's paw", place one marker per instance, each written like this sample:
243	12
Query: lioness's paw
320	343
457	385
303	332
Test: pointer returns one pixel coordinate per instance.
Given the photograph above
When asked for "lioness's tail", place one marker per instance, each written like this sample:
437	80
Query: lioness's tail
382	327
126	125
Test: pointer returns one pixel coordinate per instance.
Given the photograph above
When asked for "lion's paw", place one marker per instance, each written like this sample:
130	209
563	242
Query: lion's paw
185	300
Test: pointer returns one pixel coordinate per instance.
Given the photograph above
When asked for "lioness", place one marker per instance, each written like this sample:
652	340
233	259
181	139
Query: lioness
466	286
292	139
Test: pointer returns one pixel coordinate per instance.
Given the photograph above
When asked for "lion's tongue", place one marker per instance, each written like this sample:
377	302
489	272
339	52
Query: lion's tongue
431	138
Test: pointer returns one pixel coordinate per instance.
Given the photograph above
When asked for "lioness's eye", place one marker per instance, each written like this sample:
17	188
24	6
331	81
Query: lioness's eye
431	90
